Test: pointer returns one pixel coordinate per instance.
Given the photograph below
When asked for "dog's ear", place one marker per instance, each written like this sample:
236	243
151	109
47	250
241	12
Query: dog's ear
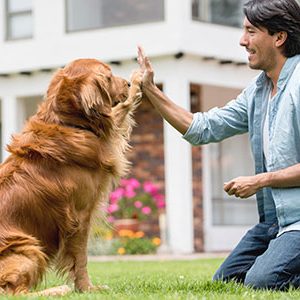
81	100
95	99
97	105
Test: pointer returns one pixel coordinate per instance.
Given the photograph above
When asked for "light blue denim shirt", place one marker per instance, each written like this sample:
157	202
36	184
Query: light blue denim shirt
246	114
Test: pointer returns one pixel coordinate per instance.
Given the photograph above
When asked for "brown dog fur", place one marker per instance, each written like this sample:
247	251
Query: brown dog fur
66	160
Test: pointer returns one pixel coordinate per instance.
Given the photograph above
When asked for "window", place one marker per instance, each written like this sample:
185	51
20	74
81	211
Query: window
229	159
89	14
226	160
19	19
27	107
224	12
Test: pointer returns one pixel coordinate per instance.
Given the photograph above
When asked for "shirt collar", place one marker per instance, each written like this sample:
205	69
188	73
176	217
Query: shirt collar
287	69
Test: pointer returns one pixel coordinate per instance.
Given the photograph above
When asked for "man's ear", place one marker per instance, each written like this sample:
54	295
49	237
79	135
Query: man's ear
281	37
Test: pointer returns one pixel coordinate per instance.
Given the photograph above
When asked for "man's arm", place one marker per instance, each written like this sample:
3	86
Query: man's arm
178	117
246	186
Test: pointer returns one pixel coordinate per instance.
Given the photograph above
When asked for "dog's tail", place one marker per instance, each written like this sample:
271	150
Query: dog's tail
22	261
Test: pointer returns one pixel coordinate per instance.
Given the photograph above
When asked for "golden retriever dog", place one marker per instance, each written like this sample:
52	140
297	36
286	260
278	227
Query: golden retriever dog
66	160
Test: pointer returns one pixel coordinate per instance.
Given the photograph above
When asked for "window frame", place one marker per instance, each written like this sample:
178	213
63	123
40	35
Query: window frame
8	18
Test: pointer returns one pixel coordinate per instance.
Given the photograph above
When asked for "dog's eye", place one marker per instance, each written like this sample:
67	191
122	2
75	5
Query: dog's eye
128	83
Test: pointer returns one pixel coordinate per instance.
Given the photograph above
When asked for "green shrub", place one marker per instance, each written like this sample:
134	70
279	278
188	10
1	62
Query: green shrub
134	246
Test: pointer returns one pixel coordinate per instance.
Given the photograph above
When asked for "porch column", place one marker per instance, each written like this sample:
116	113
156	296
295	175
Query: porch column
9	117
178	173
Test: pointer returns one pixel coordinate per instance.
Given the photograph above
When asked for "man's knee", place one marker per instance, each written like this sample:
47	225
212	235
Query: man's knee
253	278
226	275
260	279
218	276
222	274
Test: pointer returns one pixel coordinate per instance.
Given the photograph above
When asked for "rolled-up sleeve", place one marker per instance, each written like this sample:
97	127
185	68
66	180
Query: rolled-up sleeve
219	123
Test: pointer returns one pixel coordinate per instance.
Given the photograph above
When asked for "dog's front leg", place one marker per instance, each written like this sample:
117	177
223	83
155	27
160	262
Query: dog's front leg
75	253
123	111
82	281
79	246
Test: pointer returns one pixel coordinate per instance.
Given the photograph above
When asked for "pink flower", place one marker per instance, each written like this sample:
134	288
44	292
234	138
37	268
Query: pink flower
124	182
138	204
132	198
130	184
158	197
150	188
129	192
161	204
160	200
146	210
112	208
116	195
134	183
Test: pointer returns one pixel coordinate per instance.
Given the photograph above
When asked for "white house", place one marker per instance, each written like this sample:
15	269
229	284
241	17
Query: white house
190	43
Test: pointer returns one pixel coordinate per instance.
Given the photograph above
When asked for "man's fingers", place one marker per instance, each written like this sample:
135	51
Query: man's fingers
232	189
140	61
141	52
148	64
144	60
227	186
232	192
141	58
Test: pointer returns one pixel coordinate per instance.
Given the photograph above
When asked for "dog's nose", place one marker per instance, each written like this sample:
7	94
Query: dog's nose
128	83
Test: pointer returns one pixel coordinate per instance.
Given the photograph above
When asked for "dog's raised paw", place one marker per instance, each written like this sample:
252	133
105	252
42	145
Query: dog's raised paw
136	78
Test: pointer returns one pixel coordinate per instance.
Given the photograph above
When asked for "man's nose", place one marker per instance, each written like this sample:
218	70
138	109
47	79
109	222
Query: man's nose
243	41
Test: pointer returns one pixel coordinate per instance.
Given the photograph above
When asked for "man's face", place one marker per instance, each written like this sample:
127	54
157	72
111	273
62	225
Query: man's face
260	45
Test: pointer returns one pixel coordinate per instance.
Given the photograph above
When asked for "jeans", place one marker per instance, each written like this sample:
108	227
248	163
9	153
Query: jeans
263	261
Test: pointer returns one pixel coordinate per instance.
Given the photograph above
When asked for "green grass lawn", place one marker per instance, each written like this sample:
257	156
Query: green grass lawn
162	280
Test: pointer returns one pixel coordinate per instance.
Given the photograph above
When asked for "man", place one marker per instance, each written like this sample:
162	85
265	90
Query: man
268	256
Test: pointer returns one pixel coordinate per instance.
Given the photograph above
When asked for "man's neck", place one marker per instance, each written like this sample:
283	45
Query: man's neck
275	72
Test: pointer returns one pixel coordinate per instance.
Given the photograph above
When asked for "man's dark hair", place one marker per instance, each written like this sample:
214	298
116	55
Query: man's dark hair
276	16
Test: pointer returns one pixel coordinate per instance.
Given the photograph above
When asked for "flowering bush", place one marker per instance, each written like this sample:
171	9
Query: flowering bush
133	200
130	242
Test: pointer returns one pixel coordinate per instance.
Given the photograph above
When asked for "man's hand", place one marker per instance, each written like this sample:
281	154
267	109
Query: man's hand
146	68
244	186
175	115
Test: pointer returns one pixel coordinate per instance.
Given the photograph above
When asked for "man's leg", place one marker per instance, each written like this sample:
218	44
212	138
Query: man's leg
279	266
241	259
